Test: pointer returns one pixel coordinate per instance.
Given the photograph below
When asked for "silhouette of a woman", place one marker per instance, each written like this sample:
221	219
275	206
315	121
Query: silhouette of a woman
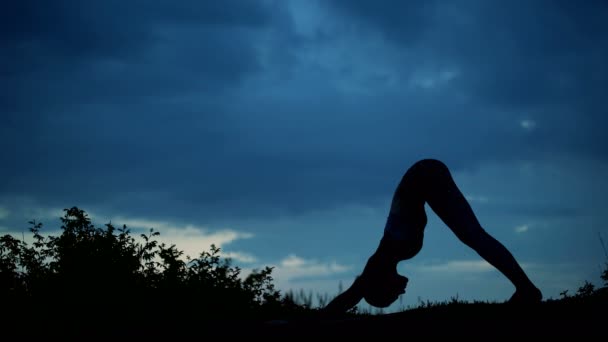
427	181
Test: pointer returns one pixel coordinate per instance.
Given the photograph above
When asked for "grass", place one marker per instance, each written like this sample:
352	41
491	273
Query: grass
577	316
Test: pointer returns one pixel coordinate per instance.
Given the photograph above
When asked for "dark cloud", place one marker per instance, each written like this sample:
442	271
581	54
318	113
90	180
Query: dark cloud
116	28
211	108
540	60
534	55
403	21
91	87
72	52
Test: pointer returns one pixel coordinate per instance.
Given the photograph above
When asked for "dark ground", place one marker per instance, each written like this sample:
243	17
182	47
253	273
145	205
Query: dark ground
549	319
570	317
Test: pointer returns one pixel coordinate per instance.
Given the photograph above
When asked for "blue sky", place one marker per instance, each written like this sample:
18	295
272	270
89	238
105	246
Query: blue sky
279	130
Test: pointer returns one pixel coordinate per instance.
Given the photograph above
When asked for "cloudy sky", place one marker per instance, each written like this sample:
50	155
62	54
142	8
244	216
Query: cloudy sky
279	130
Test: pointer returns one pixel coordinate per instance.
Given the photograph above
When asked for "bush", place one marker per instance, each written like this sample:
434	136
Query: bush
88	273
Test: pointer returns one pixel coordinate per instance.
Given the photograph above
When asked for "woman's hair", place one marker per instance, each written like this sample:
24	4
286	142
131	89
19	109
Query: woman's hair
379	299
382	293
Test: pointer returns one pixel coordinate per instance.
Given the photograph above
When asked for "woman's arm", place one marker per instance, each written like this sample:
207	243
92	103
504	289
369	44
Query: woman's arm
346	300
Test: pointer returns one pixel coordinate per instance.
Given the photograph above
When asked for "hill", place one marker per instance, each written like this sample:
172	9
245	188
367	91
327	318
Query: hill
574	317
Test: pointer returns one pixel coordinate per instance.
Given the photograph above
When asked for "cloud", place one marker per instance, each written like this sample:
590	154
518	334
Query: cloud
4	213
545	189
477	198
522	229
457	266
17	211
292	270
527	124
191	239
430	80
294	274
240	257
406	22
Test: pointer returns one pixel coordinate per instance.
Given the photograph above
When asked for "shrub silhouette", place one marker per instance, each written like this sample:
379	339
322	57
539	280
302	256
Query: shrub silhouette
90	274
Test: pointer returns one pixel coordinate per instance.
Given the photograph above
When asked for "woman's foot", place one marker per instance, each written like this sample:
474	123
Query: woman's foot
528	296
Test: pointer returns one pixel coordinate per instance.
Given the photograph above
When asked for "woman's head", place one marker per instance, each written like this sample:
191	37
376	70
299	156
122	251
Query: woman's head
384	290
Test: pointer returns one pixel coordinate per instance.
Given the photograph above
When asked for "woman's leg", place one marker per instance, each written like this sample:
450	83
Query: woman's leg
435	185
